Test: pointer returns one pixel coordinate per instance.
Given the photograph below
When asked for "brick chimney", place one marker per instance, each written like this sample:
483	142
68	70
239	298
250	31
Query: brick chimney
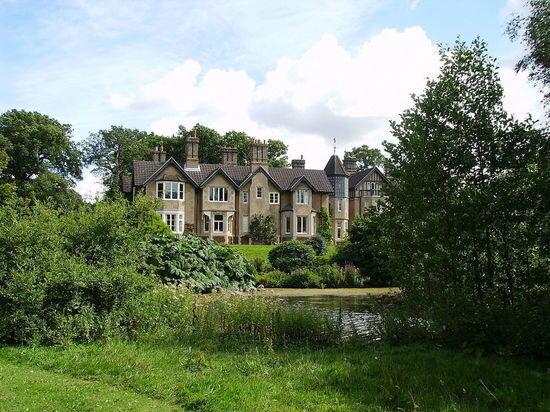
387	170
258	156
192	150
159	155
229	155
299	163
350	163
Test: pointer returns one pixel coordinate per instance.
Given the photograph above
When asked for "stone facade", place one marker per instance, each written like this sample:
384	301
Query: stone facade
219	201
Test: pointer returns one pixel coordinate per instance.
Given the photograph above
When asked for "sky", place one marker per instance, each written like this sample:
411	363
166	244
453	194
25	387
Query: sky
305	72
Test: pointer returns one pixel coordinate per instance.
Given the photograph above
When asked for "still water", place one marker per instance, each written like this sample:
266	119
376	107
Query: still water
354	312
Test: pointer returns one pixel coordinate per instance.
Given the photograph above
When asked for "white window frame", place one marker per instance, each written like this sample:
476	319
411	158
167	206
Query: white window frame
302	197
162	193
339	203
338	230
274	198
246	224
288	224
217	194
174	219
301	225
206	224
217	223
246	196
259	192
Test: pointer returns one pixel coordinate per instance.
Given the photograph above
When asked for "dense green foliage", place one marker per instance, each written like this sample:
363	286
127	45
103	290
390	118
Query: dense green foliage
364	250
534	31
38	156
325	224
199	264
262	229
367	157
292	255
71	276
318	243
466	222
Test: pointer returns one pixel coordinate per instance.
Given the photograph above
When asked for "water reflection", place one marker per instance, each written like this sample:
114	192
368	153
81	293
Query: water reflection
353	312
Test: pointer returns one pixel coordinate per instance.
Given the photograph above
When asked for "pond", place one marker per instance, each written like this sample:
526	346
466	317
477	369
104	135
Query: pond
354	312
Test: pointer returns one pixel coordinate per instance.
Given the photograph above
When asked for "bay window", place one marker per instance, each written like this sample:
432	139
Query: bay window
218	223
170	190
301	224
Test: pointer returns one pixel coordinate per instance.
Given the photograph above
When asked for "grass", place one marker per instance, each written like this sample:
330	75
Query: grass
261	251
153	375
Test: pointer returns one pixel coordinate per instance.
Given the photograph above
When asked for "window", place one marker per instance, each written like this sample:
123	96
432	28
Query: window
339	231
288	224
301	224
206	223
217	194
174	221
245	197
245	224
273	198
339	205
170	190
302	197
313	225
218	223
259	192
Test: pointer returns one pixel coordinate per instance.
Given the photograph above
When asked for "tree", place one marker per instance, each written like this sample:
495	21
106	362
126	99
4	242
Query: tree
534	31
364	250
210	143
277	153
325	224
464	222
262	229
34	144
367	157
111	152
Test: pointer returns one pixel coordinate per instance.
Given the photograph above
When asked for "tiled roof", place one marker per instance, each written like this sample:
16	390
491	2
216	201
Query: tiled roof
357	177
284	177
335	167
126	184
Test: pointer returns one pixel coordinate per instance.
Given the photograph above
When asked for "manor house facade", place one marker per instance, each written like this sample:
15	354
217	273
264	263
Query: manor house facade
218	201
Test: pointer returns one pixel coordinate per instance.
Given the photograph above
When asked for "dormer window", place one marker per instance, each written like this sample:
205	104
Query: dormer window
170	190
302	197
217	194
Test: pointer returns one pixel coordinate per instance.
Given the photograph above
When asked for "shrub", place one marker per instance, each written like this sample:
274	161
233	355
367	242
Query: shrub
273	279
318	244
262	228
304	279
200	264
292	255
330	274
260	264
325	224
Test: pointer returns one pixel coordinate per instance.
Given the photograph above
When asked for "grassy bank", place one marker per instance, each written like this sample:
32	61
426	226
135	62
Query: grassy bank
261	251
288	292
168	376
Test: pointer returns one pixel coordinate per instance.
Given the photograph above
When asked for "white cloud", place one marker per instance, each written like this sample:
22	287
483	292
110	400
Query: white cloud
520	96
328	92
414	4
90	186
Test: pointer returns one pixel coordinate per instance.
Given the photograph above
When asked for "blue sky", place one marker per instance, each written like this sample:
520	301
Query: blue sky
302	71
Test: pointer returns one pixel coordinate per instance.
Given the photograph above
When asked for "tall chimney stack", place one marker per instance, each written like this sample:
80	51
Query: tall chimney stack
192	150
162	154
259	154
229	155
350	163
299	163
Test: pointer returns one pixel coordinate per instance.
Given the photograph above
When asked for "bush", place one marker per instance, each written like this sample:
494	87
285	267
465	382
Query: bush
330	274
291	256
199	264
262	229
273	279
260	264
318	244
304	279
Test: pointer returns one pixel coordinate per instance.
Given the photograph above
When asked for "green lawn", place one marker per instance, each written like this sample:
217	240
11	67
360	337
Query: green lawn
261	251
209	377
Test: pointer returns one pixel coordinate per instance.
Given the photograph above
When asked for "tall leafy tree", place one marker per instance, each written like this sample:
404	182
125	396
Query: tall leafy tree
39	158
112	151
367	157
277	153
466	216
210	142
533	30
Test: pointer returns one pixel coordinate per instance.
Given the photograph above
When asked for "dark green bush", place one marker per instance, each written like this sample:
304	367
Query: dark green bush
331	275
273	279
199	264
318	244
291	256
260	264
304	279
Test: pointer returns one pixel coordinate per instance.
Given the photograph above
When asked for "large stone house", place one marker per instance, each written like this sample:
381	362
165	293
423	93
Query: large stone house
218	201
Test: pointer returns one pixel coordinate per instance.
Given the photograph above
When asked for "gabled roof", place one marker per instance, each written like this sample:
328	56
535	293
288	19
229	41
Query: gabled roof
219	171
163	166
357	178
265	172
282	178
298	180
335	167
